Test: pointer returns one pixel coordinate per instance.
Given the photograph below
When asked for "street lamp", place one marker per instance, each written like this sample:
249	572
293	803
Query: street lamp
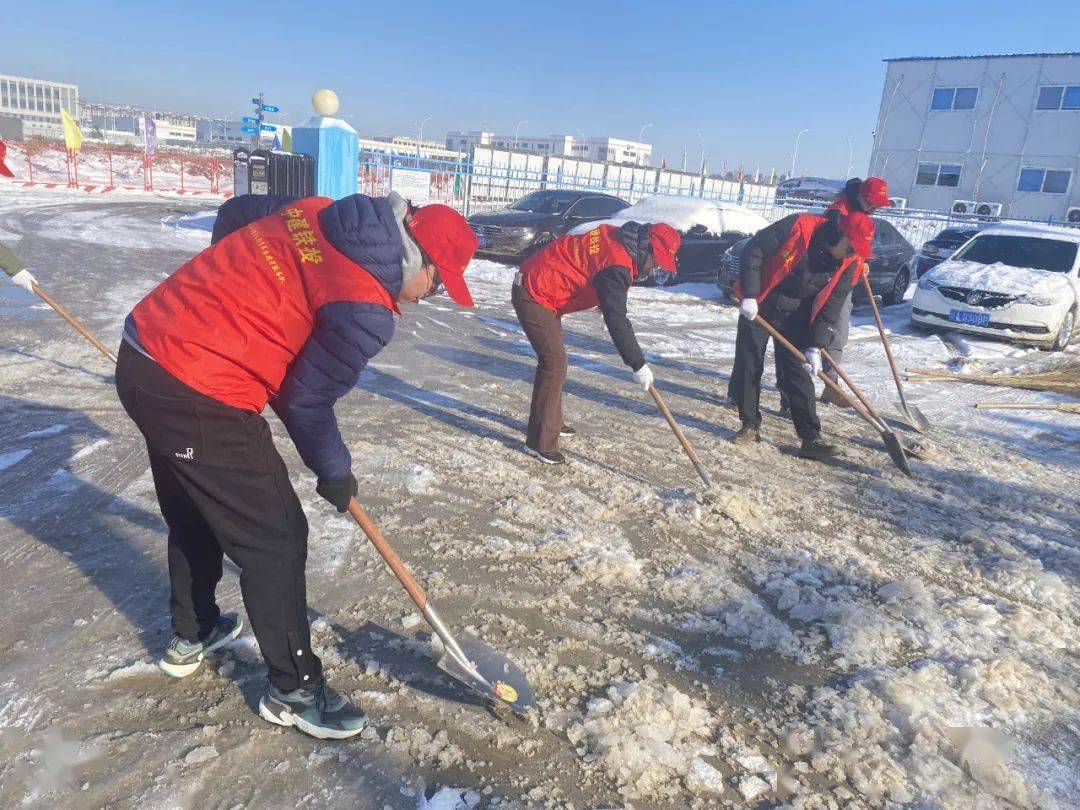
225	131
795	154
702	169
517	129
421	138
850	158
641	135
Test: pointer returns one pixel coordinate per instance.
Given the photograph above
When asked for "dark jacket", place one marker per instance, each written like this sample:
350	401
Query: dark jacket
347	334
612	288
797	291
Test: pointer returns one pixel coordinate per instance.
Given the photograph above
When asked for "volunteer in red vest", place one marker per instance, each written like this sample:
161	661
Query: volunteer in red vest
575	273
796	272
285	308
858	195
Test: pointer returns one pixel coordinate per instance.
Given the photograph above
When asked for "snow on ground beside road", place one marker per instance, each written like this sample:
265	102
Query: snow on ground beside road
809	634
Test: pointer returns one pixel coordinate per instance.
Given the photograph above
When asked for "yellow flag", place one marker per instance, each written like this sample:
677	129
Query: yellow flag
72	135
286	140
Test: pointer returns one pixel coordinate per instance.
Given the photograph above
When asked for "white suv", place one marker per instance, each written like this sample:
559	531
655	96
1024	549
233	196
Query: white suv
1011	281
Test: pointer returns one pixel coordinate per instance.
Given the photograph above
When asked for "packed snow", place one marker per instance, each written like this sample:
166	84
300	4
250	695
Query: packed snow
683	213
1000	278
801	635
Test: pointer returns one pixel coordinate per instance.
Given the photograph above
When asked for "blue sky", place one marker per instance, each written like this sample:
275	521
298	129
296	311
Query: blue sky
747	76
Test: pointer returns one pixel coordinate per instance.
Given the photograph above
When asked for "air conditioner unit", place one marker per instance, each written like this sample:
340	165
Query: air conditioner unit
1072	216
898	202
988	209
963	206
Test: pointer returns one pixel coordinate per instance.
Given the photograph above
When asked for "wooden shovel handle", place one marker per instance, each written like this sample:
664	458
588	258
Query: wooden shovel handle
701	471
825	378
67	316
884	340
382	545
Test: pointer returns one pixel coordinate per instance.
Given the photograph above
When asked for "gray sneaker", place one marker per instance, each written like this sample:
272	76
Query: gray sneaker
318	711
182	657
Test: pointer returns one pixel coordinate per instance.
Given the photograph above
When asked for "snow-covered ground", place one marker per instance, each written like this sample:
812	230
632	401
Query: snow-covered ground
815	635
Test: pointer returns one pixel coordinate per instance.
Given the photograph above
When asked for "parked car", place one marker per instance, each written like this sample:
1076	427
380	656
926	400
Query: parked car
1017	282
805	189
890	267
538	219
707	227
935	251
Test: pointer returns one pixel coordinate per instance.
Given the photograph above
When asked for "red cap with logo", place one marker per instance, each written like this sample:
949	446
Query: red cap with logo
449	242
664	241
4	170
859	228
876	192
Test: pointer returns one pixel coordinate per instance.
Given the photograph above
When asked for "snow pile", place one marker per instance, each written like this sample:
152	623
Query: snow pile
448	798
999	278
683	213
646	736
600	556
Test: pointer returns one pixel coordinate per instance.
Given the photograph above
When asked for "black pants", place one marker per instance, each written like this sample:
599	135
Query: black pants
223	489
543	328
793	380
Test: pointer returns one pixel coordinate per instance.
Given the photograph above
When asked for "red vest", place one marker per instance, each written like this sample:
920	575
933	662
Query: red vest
559	277
778	266
230	321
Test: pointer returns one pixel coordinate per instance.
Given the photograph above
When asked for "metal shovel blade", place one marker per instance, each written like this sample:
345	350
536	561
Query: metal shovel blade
896	451
916	418
489	672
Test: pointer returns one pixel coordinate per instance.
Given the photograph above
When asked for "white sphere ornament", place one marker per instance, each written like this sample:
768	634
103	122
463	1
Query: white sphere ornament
325	102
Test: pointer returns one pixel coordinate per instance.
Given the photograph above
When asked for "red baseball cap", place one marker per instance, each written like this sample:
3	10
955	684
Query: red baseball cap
859	228
664	241
449	242
4	170
876	192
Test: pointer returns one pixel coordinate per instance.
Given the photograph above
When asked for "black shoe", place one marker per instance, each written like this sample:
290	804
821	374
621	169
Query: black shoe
566	431
816	449
554	457
318	711
748	434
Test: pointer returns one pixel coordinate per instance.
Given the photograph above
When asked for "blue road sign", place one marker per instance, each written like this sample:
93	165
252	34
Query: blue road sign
247	119
252	130
270	108
267	127
256	101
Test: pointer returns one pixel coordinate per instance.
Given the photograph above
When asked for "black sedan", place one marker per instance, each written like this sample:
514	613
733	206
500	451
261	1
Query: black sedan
538	219
698	258
890	267
945	244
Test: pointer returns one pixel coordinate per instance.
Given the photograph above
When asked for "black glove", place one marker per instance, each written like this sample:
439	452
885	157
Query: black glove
339	491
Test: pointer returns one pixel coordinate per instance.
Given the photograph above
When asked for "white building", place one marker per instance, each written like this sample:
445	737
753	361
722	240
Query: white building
612	150
37	103
998	132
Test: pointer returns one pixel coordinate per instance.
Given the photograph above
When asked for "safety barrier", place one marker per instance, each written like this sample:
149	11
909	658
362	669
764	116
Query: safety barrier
101	169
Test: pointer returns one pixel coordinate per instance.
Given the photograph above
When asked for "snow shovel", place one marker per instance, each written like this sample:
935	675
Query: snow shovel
892	443
469	659
915	418
680	436
82	330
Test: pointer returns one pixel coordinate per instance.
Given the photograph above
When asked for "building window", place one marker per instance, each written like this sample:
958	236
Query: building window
954	98
1059	98
1047	181
938	174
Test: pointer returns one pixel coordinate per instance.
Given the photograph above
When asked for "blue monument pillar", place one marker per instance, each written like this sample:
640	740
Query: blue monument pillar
333	144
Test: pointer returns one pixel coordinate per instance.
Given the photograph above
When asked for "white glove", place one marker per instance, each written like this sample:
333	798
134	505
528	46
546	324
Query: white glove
748	308
813	361
644	377
24	279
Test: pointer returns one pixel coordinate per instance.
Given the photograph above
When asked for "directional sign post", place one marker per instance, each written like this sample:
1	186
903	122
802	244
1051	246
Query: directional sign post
270	108
256	120
268	127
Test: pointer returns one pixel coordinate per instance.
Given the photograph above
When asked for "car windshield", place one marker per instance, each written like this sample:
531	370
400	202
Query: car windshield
953	235
1054	255
545	202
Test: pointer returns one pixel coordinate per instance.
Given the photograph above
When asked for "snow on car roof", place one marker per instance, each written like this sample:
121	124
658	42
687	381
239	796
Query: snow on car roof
683	213
1034	229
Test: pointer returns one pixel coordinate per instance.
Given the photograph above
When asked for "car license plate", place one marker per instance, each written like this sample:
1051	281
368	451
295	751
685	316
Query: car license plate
969	318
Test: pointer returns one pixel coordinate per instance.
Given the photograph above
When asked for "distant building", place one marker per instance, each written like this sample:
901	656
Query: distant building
1000	134
612	150
406	145
37	103
117	123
